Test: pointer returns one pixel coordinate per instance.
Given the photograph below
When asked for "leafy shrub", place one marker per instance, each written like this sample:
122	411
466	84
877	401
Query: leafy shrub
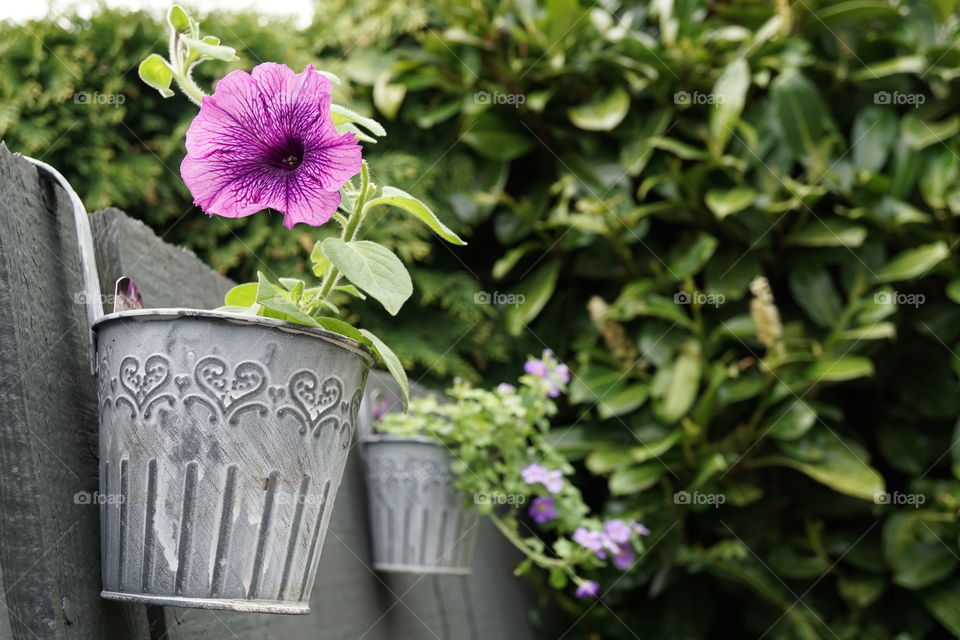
741	217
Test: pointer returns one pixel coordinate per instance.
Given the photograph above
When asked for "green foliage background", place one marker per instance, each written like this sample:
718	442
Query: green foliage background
660	149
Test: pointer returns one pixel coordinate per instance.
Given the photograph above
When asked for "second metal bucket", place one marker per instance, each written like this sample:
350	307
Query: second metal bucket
419	521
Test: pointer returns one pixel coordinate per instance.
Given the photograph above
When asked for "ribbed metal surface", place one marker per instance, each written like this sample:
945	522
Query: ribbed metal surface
418	520
222	445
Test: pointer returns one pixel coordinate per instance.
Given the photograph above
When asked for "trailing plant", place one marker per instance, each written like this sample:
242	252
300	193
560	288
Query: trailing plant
500	456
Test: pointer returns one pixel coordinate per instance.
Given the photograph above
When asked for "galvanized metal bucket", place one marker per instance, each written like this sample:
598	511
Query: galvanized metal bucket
223	440
419	521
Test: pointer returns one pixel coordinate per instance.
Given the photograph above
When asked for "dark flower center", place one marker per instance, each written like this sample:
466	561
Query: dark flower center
287	156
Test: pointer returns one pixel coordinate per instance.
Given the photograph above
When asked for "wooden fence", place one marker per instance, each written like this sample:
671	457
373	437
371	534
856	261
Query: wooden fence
49	530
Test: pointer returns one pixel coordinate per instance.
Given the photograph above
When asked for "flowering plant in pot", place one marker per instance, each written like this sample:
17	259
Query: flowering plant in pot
491	451
226	432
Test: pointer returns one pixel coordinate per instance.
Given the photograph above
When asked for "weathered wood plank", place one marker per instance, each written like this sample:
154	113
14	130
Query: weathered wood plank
49	539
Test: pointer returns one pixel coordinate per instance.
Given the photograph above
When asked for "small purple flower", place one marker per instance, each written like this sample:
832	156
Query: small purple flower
379	408
593	540
617	531
547	368
266	140
623	558
639	529
537	474
588	589
534	473
553	481
542	510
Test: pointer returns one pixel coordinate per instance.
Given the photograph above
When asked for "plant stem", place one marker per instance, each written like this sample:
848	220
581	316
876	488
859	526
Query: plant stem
350	230
518	542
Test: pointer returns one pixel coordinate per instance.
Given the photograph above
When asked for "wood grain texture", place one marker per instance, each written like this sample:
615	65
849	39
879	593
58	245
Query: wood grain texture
49	541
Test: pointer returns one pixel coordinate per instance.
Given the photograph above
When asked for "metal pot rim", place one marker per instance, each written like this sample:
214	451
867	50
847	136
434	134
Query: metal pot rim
383	438
237	318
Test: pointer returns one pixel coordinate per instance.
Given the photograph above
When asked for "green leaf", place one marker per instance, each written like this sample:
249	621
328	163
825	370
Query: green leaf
155	71
828	232
211	48
656	448
913	263
918	555
730	93
393	197
920	134
874	135
535	291
791	420
388	97
339	326
839	369
626	399
493	137
895	66
373	268
687	260
341	115
242	295
723	202
675	387
953	290
834	462
274	298
636	479
814	291
603	461
637	149
392	363
349	289
603	113
178	18
943	601
801	113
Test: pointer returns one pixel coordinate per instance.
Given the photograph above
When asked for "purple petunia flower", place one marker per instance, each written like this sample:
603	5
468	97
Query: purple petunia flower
593	540
542	510
623	558
553	481
536	368
266	140
617	531
588	589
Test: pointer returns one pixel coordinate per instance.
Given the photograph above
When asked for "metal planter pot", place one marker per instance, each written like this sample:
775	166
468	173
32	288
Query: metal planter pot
418	521
223	440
